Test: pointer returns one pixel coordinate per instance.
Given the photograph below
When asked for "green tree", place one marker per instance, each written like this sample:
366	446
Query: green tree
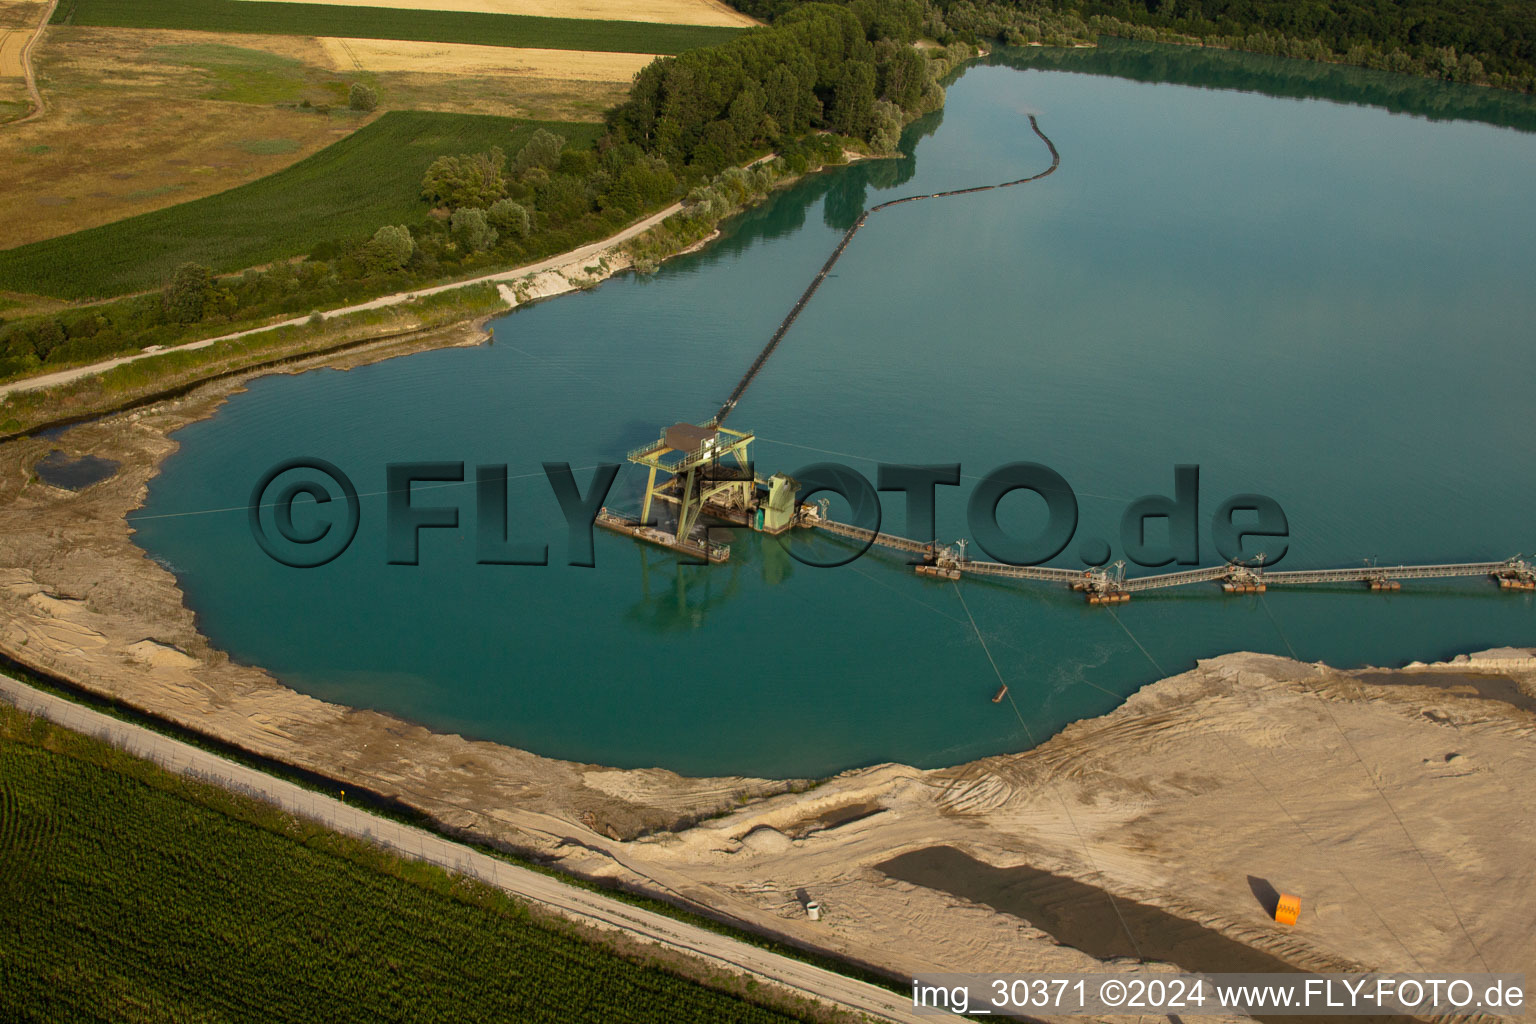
541	150
186	298
508	218
645	182
360	97
903	74
470	179
900	20
390	249
563	199
853	101
471	229
46	337
885	126
746	114
791	102
222	303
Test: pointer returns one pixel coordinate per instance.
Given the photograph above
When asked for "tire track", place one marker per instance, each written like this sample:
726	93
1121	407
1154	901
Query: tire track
38	107
26	836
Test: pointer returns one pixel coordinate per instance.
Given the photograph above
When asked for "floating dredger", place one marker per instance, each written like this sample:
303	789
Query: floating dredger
703	475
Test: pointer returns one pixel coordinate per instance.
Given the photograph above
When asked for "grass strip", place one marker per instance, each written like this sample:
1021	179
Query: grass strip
294	19
346	190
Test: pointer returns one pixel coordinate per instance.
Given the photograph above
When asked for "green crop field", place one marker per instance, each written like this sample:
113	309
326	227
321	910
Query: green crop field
134	895
347	190
292	19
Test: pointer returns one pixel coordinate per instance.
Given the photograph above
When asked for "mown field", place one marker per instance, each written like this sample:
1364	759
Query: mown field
347	190
392	23
133	895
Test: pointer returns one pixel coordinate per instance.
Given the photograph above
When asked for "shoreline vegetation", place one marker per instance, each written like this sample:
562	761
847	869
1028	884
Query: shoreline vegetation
809	92
189	681
174	371
1475	42
820	80
1210	67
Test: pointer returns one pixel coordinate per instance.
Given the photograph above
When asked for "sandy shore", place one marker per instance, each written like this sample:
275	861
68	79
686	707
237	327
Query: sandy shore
1389	800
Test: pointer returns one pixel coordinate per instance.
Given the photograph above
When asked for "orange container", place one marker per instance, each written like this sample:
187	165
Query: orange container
1288	909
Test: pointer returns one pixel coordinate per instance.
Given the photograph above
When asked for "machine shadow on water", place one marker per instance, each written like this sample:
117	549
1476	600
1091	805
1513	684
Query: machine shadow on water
676	597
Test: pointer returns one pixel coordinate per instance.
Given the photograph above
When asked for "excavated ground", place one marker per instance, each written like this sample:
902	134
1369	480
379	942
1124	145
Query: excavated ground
1391	801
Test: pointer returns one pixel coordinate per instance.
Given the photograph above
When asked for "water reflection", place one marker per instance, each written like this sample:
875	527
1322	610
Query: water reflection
1209	68
71	473
676	597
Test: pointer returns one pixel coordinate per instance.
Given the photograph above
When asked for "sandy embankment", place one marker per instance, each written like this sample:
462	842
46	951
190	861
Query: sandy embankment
79	600
1393	805
1388	801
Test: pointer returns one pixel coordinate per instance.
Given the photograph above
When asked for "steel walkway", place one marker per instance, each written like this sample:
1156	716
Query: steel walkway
1513	573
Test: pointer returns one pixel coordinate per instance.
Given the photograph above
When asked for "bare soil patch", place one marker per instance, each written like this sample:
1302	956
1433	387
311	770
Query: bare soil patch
18	21
125	106
12	42
142	119
354	55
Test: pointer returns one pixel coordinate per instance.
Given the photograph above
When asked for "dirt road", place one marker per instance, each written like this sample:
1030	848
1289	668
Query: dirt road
586	252
586	907
26	63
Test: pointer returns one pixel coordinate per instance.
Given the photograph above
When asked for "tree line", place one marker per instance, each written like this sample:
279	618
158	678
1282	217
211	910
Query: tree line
849	69
844	72
1483	42
1480	42
822	77
486	211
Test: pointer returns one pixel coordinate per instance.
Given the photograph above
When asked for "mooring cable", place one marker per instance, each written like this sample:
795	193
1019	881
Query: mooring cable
1055	790
1387	802
1259	781
760	439
415	486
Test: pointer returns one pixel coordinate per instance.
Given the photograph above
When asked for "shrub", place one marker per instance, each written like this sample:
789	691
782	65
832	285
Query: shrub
563	199
390	249
885	127
360	97
186	298
542	150
510	218
471	179
471	229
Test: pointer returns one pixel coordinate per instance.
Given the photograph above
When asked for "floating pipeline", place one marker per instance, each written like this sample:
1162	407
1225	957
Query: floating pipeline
826	268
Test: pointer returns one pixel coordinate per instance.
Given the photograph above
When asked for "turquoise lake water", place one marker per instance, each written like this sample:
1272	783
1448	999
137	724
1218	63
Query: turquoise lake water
1324	302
